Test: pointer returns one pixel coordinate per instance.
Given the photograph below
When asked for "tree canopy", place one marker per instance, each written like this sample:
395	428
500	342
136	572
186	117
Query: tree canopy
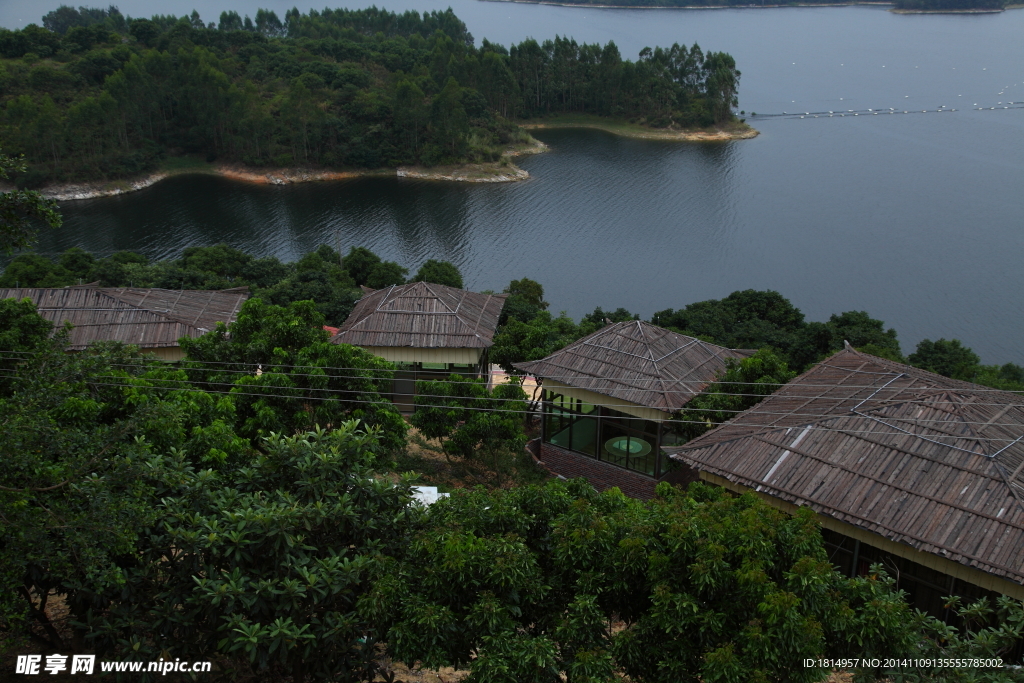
22	211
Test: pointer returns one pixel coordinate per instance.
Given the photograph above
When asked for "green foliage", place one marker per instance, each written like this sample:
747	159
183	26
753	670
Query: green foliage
81	434
744	384
524	302
945	357
261	566
519	342
22	211
285	376
988	633
708	586
752	319
471	421
594	321
440	273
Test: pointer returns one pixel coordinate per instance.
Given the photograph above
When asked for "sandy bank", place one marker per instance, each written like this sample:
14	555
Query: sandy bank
496	172
634	131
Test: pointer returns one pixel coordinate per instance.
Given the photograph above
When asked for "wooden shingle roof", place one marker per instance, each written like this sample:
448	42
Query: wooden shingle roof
146	317
920	459
637	362
422	315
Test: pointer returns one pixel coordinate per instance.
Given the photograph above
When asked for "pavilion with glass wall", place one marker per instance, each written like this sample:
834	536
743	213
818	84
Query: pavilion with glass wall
428	331
610	397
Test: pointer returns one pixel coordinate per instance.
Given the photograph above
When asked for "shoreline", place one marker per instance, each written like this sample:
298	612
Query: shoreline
502	171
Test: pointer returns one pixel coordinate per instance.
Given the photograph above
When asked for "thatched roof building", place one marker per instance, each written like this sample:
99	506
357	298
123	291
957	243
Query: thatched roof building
427	330
638	364
608	400
422	322
152	319
905	461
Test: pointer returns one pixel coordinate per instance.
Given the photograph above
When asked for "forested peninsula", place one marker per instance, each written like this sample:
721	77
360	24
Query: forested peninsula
94	95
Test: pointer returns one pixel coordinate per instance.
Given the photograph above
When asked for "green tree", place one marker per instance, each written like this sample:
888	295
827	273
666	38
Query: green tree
82	432
469	420
520	342
744	384
386	273
285	376
949	358
707	586
449	125
22	211
261	566
440	273
525	300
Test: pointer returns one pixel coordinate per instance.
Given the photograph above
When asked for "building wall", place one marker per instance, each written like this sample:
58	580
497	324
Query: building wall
601	475
409	354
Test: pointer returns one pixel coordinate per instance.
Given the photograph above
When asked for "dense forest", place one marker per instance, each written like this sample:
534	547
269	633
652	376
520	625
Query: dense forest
93	94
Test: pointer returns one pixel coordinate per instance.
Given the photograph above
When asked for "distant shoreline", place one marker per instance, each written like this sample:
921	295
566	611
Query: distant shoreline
748	6
765	6
734	131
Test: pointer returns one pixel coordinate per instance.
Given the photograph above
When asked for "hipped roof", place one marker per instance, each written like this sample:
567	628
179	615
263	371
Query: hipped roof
637	362
920	459
145	317
422	315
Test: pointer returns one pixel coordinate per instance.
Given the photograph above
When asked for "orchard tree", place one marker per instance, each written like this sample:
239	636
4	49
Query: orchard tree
469	420
704	587
260	567
82	432
285	376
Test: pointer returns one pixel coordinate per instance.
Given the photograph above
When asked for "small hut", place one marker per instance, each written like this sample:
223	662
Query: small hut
609	398
152	319
903	467
426	330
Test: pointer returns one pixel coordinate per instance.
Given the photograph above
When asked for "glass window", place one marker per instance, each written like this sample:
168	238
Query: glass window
435	366
583	436
673	433
629	442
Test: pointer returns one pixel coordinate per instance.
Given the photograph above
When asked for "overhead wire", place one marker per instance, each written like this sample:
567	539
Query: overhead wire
234	391
696	383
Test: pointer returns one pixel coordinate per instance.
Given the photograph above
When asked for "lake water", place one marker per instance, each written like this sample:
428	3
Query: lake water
917	218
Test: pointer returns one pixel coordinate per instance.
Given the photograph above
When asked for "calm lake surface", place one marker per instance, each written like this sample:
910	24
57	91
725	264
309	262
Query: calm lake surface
917	218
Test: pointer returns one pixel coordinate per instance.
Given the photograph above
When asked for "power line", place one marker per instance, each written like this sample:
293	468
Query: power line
188	365
384	401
